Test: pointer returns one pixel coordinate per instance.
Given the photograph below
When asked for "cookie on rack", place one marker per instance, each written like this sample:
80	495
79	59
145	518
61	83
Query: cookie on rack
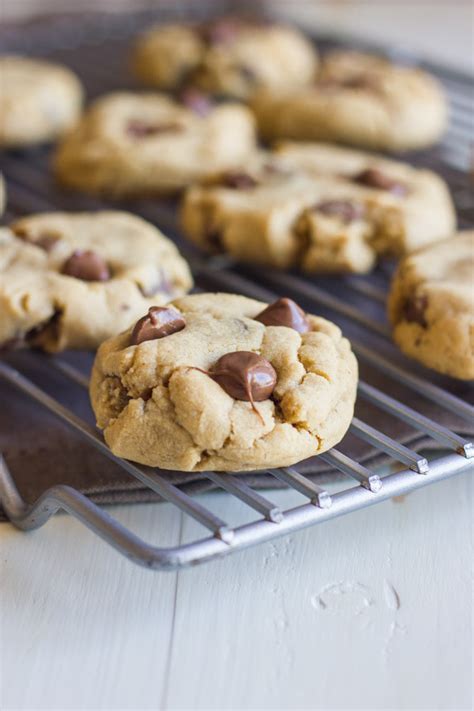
71	280
39	101
139	144
219	381
360	100
431	306
320	207
229	56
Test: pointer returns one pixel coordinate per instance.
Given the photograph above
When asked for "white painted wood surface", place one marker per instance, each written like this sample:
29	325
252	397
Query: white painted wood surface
369	611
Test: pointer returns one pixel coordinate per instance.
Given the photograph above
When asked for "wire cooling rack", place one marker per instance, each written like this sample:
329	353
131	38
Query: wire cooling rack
96	48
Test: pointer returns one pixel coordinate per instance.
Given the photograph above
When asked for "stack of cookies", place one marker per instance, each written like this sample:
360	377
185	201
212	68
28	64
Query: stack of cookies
219	381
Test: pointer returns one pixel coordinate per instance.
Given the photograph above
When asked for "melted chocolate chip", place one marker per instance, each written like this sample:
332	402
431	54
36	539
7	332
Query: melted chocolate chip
245	376
284	312
142	129
86	265
46	240
344	209
414	310
375	178
159	322
237	180
197	101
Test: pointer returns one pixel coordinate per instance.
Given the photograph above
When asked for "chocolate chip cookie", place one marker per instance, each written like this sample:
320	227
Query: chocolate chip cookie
431	306
360	100
218	381
73	280
146	144
39	100
320	207
228	56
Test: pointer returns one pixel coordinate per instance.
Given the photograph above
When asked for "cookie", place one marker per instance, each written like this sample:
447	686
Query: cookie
320	207
39	100
146	144
223	382
431	306
73	280
358	99
228	56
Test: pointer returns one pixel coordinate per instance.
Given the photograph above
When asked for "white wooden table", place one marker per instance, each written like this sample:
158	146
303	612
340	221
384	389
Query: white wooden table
369	611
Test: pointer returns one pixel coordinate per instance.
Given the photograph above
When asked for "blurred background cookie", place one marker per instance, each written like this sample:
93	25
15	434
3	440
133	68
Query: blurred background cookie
39	100
431	306
358	99
138	144
321	207
228	56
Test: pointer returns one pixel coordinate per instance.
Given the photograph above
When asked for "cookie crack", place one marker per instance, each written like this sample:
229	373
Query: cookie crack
319	372
303	425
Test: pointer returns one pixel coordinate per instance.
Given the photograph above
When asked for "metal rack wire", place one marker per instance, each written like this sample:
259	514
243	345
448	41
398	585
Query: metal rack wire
354	302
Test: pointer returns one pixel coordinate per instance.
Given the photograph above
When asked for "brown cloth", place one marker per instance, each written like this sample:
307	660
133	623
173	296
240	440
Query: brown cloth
41	451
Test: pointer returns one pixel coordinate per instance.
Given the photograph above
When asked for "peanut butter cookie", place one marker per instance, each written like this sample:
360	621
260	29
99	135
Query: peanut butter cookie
219	381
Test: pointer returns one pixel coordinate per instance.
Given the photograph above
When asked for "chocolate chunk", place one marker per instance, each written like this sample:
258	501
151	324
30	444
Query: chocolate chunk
245	376
237	180
345	209
159	322
143	129
86	265
197	101
375	178
45	240
414	310
284	312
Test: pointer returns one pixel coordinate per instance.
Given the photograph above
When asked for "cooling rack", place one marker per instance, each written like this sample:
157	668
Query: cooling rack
96	49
